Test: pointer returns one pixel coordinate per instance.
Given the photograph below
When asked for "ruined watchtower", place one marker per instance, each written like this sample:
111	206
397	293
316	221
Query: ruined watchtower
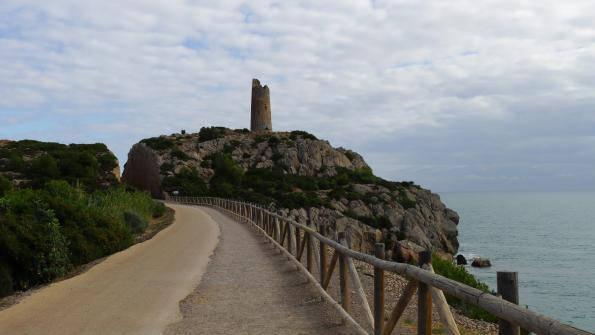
261	108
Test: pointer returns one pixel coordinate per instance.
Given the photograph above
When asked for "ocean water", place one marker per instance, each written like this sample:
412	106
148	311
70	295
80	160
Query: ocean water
548	238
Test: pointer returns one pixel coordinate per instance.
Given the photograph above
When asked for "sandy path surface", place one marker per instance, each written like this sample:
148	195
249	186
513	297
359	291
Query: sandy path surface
136	291
250	288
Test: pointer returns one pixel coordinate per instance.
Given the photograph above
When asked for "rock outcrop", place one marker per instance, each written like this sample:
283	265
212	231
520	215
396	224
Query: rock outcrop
334	184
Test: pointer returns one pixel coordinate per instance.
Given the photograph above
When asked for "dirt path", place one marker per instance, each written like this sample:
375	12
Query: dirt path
136	291
250	288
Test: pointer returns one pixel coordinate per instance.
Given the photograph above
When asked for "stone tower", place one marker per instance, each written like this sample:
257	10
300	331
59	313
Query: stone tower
261	108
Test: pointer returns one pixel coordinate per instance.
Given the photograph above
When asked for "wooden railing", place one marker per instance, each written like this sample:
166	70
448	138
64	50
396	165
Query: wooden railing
296	240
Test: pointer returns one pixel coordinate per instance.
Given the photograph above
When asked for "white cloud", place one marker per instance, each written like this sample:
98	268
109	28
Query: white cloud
382	77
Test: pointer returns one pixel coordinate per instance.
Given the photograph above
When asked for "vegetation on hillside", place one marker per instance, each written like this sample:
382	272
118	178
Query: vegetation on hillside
459	273
66	209
47	231
274	185
36	163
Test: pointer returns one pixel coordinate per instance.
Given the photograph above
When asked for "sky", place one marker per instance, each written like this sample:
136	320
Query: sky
454	95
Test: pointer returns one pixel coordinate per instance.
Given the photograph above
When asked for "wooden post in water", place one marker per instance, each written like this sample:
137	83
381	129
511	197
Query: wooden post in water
508	287
424	300
344	278
378	292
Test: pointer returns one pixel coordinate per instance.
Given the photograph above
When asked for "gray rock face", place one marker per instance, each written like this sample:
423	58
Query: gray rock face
401	211
142	170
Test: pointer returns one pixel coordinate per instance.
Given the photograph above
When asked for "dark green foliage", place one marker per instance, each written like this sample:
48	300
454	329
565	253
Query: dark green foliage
460	274
166	167
229	147
273	141
277	157
158	143
44	232
187	182
261	138
226	170
159	209
303	134
242	131
179	154
402	198
5	185
211	133
134	222
6	284
86	164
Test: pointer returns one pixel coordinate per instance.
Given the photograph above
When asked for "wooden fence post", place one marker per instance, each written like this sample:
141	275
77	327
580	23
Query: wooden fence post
508	287
344	278
322	256
378	292
424	300
309	251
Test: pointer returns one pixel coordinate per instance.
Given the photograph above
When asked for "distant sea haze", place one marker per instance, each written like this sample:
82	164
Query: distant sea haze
547	237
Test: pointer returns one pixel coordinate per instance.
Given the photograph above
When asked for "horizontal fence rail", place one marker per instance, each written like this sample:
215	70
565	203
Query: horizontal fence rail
297	241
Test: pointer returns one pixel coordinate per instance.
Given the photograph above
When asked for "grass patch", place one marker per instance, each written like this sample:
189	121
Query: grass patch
460	274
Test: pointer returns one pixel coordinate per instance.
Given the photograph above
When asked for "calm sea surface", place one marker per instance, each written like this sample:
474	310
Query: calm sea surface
548	238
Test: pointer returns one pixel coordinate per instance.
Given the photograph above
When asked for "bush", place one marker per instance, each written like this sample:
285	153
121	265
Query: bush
179	154
158	143
211	133
460	274
159	209
134	222
187	182
5	185
6	284
303	134
274	141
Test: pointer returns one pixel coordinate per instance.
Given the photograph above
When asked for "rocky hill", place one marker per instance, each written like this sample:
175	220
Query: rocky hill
29	163
299	176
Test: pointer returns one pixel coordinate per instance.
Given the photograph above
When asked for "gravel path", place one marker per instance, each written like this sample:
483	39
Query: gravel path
250	288
135	291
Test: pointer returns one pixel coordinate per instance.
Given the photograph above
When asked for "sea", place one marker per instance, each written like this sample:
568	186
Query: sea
547	237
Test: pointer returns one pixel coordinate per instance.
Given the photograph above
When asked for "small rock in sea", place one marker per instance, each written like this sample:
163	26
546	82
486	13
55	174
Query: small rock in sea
481	263
461	260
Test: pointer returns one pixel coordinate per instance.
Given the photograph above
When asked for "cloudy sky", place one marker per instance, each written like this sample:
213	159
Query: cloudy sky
455	95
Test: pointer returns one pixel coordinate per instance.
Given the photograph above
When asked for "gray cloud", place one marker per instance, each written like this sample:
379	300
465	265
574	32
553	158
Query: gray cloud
462	95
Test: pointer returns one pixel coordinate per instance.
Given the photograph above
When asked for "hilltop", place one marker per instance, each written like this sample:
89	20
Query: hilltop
296	173
30	163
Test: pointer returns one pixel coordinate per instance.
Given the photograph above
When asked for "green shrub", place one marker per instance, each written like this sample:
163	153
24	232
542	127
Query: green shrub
159	143
5	185
261	138
211	133
229	147
159	209
134	222
303	134
179	154
460	274
187	182
274	141
166	167
6	284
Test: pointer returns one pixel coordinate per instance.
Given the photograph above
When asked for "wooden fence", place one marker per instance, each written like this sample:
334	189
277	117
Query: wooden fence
297	241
